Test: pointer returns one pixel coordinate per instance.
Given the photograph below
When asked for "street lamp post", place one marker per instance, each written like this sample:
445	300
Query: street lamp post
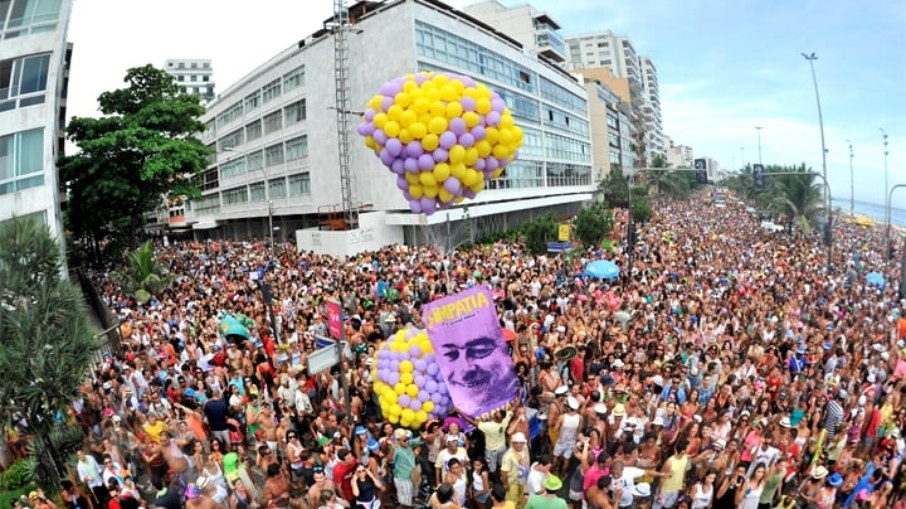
886	205
852	181
758	129
811	62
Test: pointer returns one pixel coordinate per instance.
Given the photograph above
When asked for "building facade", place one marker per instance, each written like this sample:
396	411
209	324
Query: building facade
275	132
534	29
194	76
34	74
680	156
651	111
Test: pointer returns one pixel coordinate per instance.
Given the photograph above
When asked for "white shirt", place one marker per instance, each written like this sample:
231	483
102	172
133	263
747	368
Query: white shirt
535	483
90	472
627	482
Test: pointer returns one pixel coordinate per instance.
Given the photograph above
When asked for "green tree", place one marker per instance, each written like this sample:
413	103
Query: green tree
46	343
641	208
593	223
539	232
666	183
143	276
142	150
615	187
800	197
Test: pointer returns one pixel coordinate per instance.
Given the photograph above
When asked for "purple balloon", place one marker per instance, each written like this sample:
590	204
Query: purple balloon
426	162
362	129
467	81
415	404
457	126
386	88
436	397
432	369
386	103
404	400
411	165
493	119
420	78
428	204
397	166
369	114
466	140
429	359
452	185
440	155
420	364
498	104
468	104
394	378
420	381
480	164
415	352
477	132
416	207
379	136
468	193
431	386
386	157
402	184
448	139
394	146
406	195
491	163
414	149
424	396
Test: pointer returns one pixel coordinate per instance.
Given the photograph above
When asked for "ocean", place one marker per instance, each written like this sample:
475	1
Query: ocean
873	210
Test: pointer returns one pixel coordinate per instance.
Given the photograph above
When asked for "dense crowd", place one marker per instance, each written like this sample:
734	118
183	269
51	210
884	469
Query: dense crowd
732	368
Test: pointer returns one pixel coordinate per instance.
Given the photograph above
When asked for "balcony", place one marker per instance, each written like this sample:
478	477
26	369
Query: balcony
547	40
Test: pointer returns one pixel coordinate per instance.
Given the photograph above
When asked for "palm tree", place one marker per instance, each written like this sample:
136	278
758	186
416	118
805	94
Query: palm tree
142	275
797	196
667	183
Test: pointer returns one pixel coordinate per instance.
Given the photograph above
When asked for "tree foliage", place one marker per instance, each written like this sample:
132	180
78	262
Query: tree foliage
615	187
799	197
539	232
593	223
666	183
142	150
47	343
142	275
641	209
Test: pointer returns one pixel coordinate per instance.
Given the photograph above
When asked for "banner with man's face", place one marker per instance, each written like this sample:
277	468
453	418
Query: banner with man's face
471	351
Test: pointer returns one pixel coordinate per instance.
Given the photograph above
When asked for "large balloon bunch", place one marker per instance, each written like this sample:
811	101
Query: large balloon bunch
408	381
443	135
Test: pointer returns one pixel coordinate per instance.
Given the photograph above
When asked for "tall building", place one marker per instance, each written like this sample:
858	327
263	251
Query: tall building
680	156
614	60
34	74
534	29
275	135
194	76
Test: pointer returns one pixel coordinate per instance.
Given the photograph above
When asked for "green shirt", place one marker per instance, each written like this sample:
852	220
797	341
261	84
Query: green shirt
404	459
545	502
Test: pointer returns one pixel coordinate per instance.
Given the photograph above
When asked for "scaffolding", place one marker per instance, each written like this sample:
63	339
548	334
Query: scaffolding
341	29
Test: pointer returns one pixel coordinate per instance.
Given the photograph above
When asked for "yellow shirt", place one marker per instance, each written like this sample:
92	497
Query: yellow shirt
674	483
495	433
154	432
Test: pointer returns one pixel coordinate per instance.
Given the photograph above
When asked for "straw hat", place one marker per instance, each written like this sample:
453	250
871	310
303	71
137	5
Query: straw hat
819	473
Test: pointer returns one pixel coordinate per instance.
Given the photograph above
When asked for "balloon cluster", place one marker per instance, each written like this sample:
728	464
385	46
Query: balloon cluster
443	135
408	381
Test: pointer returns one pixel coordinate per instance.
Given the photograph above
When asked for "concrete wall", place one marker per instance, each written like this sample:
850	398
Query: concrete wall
600	139
373	234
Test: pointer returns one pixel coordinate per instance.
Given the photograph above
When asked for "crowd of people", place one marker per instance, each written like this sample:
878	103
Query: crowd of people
733	367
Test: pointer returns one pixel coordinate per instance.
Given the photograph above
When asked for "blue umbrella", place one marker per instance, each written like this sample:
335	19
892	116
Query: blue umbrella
875	279
602	269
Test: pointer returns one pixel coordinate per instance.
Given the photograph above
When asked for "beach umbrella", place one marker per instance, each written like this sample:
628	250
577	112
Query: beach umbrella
233	330
875	279
602	269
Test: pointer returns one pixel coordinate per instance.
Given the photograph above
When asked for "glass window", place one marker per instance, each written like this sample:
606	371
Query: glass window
532	143
299	184
568	174
230	114
233	167
294	79
207	205
565	121
295	112
614	140
253	100
561	147
562	97
231	140
21	160
614	157
236	195
520	174
253	130
27	13
274	154
277	187
255	160
23	76
257	192
273	122
297	148
270	91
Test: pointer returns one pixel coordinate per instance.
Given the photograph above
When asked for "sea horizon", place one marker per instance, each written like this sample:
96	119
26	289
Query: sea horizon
872	210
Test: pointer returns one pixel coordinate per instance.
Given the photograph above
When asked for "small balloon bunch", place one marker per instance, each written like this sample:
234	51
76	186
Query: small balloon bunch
408	381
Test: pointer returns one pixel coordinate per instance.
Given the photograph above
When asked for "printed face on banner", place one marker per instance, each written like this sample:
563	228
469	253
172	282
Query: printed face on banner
471	351
334	320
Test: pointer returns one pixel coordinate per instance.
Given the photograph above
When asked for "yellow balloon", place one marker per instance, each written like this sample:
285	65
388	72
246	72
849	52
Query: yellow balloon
458	86
393	419
505	136
406	378
408	118
425	346
421	416
427	406
421	105
405	136
430	191
470	117
471	156
418	130
441	172
454	109
436	126
517	133
411	178
498	172
448	93
491	135
406	367
506	120
409	85
478	187
408	414
427	179
429	141
416	191
483	148
389	395
437	109
424	118
500	152
395	409
483	105
391	128
402	99
457	153
457	170
432	94
399	389
459	199
412	391
394	112
379	120
369	142
375	102
483	91
470	92
440	80
444	195
468	179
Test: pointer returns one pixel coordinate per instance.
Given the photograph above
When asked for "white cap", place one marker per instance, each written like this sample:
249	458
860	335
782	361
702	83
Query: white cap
617	364
518	438
572	403
559	391
601	408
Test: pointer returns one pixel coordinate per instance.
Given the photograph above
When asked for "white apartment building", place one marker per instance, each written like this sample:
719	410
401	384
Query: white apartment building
534	29
34	74
194	76
680	156
651	111
276	143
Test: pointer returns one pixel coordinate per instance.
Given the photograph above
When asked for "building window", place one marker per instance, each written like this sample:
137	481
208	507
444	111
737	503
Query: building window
21	161
614	157
255	160
230	114
231	140
297	148
236	195
273	122
180	78
253	130
569	149
194	65
207	205
563	175
252	100
28	16
562	97
277	187
295	112
294	79
23	77
205	78
233	167
519	174
273	154
257	192
271	91
193	78
299	184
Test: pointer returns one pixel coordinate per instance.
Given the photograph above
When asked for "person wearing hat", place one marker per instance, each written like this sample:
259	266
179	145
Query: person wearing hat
549	499
567	428
452	450
514	469
404	465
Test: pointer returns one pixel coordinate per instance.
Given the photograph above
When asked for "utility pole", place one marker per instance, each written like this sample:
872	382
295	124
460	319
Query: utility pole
852	181
886	205
758	129
811	61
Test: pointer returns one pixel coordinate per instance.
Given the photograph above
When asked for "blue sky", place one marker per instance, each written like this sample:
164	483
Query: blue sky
724	67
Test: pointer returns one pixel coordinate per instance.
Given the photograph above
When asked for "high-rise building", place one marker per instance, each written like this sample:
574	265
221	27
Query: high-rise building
651	111
534	29
194	76
34	75
275	135
680	156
